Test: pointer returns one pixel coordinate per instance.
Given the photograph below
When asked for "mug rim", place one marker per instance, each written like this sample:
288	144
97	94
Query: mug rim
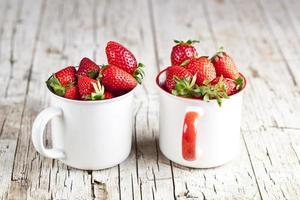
93	101
193	99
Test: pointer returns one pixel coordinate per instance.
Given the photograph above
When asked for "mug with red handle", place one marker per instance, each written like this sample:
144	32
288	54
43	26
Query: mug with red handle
196	133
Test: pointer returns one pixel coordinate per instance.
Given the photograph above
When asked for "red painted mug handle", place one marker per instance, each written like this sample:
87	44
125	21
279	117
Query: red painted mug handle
189	135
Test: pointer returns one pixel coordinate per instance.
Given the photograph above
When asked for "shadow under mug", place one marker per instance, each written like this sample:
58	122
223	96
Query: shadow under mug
208	133
88	135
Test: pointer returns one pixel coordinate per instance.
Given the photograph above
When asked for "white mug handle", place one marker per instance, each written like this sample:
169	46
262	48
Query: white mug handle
190	151
38	133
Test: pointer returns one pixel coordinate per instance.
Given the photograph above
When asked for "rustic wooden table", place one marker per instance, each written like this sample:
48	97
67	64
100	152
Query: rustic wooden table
38	37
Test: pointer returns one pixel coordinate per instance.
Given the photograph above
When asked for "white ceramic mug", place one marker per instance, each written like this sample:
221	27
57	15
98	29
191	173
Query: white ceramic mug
216	129
87	135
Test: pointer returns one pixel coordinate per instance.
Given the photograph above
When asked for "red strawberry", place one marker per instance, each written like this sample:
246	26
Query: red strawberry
229	84
183	51
121	57
88	68
90	89
202	67
117	80
61	79
175	71
224	65
108	95
72	92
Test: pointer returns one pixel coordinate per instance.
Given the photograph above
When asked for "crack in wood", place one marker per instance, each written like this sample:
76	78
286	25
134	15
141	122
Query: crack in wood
99	190
154	179
253	170
141	189
136	144
3	123
132	187
173	180
157	153
119	182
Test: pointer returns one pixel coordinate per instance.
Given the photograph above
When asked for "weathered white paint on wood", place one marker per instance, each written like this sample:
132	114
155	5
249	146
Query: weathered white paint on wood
39	37
7	152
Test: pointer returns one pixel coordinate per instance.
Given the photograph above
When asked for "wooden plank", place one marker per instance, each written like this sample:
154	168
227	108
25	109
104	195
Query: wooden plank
10	19
275	169
145	174
11	71
235	180
34	176
275	157
7	152
284	26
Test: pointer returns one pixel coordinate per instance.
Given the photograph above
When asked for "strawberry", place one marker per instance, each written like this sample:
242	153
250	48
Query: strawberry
61	79
232	86
117	80
229	84
202	67
121	57
88	68
179	73
108	95
72	92
90	89
183	51
224	65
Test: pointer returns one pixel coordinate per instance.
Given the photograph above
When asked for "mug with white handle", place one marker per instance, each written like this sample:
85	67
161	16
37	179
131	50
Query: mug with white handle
87	135
196	133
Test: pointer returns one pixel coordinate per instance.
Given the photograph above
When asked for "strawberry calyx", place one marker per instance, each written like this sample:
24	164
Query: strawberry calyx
208	91
98	93
239	83
188	42
139	73
54	84
219	53
220	49
93	73
186	87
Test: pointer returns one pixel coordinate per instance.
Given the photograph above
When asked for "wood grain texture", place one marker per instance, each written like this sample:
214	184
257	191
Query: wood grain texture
263	36
7	152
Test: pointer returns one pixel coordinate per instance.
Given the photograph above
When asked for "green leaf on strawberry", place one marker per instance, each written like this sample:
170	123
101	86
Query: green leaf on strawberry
217	91
184	87
187	88
139	73
189	42
239	83
54	84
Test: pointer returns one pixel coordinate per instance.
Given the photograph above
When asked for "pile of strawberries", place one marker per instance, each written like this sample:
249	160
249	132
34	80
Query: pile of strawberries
201	77
92	82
